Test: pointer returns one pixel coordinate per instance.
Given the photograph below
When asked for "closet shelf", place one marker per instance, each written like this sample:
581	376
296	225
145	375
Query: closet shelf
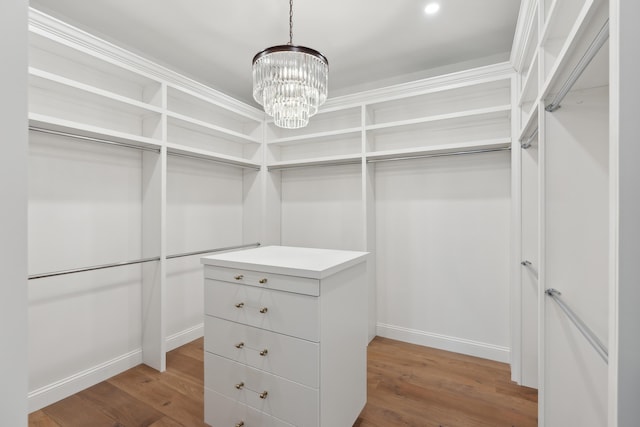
317	161
55	83
499	111
182	150
497	143
530	86
59	125
208	128
529	123
316	136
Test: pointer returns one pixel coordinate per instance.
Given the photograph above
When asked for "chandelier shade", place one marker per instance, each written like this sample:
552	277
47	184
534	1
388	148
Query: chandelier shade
290	82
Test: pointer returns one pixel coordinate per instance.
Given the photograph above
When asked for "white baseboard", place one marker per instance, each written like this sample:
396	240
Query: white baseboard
65	387
444	342
184	337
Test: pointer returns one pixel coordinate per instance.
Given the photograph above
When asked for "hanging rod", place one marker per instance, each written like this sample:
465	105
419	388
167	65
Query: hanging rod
424	156
588	56
208	159
526	142
228	248
92	139
584	329
530	267
94	267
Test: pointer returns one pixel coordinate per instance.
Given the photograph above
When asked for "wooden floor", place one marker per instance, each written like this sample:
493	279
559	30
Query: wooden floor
408	385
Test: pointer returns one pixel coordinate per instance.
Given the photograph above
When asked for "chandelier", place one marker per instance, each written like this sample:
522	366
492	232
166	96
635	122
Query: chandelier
290	82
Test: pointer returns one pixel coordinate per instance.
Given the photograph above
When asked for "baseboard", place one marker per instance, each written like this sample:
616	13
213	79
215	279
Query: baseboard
65	387
184	337
444	342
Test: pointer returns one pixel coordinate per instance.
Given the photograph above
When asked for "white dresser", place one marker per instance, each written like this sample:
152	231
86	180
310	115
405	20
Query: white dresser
285	337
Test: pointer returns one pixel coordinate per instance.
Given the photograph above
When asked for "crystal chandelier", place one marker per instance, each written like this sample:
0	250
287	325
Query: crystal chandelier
290	82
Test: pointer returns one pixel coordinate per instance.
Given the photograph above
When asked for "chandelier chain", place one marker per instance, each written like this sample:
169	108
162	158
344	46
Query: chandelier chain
290	22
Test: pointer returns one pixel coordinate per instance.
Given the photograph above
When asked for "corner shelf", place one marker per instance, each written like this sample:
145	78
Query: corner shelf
182	150
317	161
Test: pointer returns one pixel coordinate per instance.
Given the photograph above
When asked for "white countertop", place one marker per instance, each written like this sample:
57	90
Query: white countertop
291	261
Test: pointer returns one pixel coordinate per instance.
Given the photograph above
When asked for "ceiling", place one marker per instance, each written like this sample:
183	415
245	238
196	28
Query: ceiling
369	43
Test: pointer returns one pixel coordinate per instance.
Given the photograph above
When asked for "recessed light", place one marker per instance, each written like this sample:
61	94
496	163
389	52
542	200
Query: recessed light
432	8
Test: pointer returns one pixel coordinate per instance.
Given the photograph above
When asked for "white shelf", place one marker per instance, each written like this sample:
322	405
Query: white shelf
529	88
316	136
183	150
55	83
317	161
500	110
208	128
80	129
497	143
530	122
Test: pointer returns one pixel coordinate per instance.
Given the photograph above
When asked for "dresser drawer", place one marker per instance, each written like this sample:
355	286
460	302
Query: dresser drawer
220	411
273	395
292	358
299	285
283	312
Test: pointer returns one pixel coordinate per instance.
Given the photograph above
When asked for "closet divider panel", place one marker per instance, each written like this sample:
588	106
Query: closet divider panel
442	252
322	207
84	209
204	211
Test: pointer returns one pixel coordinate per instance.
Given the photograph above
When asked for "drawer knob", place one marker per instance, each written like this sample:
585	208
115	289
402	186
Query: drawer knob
239	277
240	424
240	345
264	352
263	310
239	386
263	281
240	305
263	395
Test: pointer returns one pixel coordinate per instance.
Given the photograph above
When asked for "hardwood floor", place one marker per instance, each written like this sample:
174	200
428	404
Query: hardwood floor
408	386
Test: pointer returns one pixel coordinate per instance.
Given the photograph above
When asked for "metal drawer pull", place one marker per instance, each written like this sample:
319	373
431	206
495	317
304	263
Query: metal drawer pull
263	281
239	277
263	395
239	386
264	352
240	424
240	345
263	310
240	305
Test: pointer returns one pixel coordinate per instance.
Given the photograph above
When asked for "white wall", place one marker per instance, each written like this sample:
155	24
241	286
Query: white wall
322	207
204	211
13	215
443	236
84	209
576	257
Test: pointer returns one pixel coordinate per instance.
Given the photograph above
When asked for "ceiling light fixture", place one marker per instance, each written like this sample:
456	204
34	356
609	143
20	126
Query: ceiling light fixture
431	8
290	82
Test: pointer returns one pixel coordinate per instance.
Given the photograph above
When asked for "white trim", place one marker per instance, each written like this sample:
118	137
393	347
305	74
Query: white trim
70	385
445	342
184	337
524	26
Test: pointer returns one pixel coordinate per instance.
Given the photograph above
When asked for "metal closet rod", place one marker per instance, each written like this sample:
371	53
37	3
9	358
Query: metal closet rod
592	50
453	153
92	139
582	327
137	261
530	267
526	143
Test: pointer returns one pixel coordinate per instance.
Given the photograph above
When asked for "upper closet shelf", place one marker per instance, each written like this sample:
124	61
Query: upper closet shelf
317	136
185	151
40	121
490	144
530	123
203	127
54	83
500	110
317	161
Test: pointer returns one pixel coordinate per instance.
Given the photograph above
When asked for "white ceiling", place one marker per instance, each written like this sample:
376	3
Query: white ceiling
369	43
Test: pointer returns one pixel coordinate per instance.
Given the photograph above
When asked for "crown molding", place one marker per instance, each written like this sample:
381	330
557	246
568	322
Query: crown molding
503	70
525	25
69	35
